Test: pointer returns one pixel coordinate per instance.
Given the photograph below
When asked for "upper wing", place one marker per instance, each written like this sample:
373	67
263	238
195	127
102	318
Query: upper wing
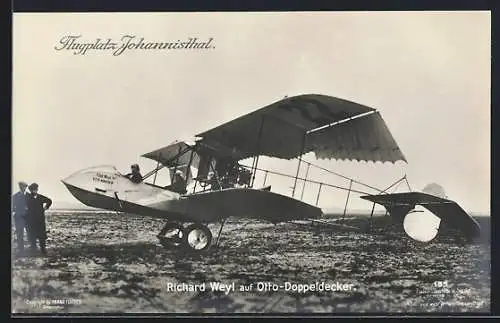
245	203
449	211
365	138
329	126
177	151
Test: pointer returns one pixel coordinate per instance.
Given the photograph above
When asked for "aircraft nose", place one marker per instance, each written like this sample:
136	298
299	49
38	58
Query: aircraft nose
82	184
67	182
81	179
72	179
87	179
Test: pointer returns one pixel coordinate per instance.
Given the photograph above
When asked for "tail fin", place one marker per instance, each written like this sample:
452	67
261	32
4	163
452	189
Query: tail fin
435	189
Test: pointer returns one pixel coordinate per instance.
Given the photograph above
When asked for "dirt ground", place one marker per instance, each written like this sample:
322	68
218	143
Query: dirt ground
108	263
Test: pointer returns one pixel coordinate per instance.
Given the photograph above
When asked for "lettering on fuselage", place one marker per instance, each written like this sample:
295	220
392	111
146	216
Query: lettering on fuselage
104	178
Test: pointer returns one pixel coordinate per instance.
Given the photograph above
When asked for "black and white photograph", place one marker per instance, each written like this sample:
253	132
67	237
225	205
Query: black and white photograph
251	162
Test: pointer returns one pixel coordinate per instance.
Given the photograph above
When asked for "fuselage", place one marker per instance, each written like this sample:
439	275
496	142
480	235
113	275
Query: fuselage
106	188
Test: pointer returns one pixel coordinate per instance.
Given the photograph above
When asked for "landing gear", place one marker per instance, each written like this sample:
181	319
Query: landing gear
198	237
173	231
171	234
195	237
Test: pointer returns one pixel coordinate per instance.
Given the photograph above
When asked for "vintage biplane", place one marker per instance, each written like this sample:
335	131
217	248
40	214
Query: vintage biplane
215	185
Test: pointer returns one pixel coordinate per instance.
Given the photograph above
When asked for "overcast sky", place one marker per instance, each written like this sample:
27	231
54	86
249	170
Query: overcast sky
427	73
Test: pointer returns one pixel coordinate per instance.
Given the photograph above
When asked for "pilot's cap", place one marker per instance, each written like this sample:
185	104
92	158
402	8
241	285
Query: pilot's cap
21	183
33	187
135	166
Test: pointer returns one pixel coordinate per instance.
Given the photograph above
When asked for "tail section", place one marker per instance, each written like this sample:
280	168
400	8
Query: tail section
432	199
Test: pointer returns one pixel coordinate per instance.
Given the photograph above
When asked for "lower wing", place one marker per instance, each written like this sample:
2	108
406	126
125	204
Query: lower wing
246	203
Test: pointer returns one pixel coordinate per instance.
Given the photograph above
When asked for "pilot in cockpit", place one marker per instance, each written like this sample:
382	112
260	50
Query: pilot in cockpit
244	178
178	183
213	181
135	174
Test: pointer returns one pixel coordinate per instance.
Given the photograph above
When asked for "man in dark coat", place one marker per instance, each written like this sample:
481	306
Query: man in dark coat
19	209
35	218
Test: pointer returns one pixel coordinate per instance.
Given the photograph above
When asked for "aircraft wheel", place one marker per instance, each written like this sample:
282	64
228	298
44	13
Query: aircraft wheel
171	233
197	237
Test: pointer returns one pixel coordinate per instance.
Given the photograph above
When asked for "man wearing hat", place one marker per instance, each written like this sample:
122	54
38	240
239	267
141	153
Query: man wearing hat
35	218
19	209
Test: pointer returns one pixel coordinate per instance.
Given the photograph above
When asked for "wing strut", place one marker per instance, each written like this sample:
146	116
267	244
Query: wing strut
347	200
300	162
319	192
305	181
220	231
371	218
157	167
188	169
255	162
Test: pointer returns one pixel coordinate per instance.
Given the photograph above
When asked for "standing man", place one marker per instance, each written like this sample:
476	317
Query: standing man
35	218
19	209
